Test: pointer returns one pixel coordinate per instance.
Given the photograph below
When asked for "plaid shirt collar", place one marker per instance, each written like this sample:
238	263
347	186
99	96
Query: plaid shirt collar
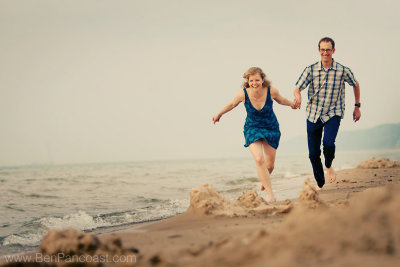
334	65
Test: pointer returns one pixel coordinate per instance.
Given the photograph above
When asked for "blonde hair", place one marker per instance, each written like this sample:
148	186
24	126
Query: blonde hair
253	71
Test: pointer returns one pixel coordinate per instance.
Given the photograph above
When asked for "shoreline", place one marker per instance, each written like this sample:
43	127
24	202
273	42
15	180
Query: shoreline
196	238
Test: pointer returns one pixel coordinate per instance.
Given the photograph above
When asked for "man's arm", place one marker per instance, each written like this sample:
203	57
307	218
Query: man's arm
301	84
356	112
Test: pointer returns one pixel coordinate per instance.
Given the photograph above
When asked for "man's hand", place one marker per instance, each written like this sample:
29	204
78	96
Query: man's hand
297	98
356	114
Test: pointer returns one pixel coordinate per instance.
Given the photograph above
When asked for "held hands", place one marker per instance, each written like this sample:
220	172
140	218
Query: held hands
293	104
356	114
297	100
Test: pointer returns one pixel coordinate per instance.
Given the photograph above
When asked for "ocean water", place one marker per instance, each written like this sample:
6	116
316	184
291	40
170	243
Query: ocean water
99	197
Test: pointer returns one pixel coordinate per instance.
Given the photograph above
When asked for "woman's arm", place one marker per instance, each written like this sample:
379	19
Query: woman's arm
275	95
239	97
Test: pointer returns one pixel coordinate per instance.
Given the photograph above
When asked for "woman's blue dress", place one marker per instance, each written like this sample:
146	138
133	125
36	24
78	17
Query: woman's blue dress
261	124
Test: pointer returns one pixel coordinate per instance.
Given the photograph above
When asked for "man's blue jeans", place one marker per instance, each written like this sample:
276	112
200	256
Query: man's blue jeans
314	136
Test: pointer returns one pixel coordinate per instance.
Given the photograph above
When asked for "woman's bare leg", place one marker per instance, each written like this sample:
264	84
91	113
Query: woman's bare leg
269	154
256	150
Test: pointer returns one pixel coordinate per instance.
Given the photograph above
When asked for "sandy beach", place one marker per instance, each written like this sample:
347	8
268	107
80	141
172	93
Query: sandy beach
352	222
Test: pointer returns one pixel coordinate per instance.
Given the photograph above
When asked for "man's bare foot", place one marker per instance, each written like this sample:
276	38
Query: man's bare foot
331	174
271	199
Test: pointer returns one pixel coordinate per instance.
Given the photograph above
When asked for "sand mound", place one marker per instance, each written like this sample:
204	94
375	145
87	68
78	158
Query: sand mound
373	163
72	242
309	196
254	204
250	200
204	200
69	242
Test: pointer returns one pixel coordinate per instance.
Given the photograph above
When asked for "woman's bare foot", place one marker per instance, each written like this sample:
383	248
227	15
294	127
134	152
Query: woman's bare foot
331	174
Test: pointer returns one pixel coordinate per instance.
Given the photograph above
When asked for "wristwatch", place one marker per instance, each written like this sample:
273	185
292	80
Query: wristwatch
357	105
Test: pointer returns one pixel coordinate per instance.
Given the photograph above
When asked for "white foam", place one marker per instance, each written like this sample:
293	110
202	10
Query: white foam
80	220
26	240
171	208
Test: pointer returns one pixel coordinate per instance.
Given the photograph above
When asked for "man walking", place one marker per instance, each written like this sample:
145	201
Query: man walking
325	108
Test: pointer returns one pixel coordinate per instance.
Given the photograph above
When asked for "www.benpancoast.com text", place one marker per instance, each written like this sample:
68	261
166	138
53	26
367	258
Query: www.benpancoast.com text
61	257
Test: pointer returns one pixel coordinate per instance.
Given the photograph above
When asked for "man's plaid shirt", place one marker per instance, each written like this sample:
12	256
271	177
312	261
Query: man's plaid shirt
326	91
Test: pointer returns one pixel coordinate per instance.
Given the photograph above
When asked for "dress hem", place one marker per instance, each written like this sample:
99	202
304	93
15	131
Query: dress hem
247	145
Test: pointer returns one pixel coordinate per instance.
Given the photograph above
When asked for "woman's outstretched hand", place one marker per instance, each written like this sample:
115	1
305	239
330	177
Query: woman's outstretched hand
216	118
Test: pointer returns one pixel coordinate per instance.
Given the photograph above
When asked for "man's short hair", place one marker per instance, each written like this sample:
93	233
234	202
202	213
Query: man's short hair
327	39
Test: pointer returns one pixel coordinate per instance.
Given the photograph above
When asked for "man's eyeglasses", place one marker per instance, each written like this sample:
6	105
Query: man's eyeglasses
326	50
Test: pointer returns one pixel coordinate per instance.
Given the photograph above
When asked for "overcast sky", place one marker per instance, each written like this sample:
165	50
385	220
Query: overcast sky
108	81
